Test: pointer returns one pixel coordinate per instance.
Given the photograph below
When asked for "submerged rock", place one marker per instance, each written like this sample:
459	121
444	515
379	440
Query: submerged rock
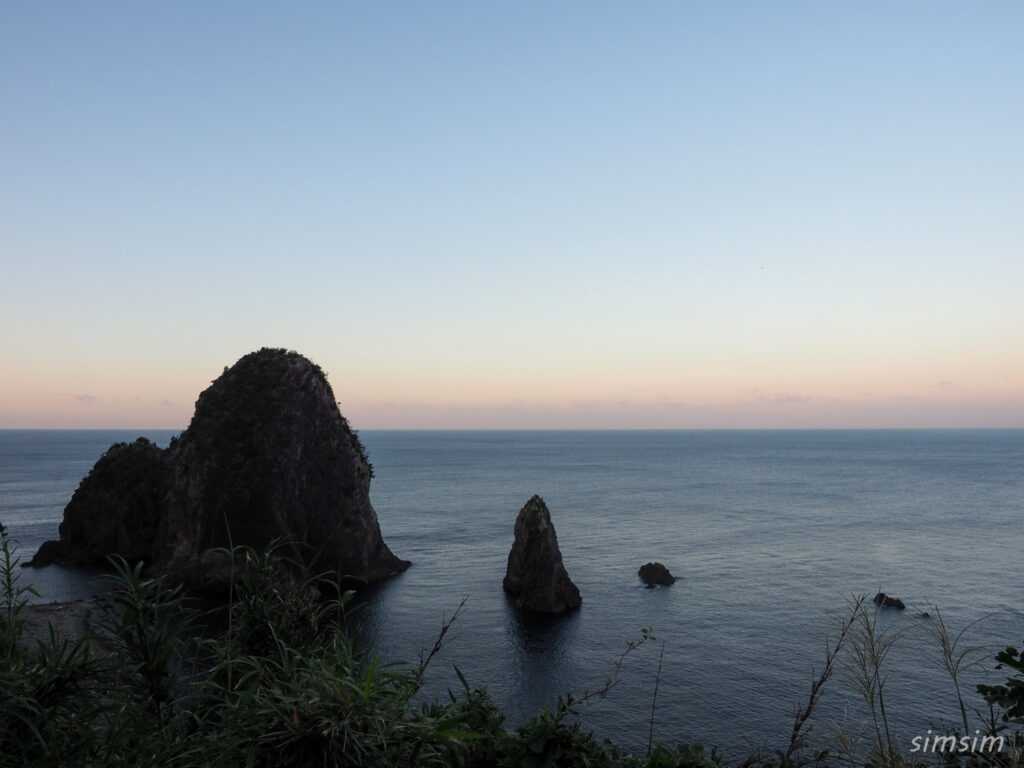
535	574
656	574
267	456
883	600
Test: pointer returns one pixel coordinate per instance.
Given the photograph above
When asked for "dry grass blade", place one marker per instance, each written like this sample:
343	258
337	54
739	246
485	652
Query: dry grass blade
953	656
796	739
446	624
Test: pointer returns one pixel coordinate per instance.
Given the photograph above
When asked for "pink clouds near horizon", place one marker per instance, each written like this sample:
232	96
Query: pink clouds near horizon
750	216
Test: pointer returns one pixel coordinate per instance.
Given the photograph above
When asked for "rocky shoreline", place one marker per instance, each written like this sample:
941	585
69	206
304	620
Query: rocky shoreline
72	621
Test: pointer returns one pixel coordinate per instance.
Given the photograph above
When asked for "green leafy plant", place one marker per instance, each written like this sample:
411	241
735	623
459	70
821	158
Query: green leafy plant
1009	696
269	606
13	598
49	698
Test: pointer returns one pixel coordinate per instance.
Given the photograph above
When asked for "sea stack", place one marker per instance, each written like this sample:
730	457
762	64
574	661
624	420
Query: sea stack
267	456
535	575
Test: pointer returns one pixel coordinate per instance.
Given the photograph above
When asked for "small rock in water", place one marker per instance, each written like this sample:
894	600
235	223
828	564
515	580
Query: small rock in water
885	601
656	574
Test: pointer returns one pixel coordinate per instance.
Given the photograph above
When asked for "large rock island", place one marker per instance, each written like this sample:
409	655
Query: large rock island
535	575
267	456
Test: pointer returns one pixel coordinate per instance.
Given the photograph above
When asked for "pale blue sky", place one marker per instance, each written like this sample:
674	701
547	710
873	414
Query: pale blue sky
472	214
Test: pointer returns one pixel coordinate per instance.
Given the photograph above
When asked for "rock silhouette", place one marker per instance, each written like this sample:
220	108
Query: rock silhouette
535	575
116	509
883	600
656	574
267	456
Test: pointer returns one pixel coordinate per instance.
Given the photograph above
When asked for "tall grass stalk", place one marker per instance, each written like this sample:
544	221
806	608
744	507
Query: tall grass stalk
798	735
953	655
446	624
654	699
864	662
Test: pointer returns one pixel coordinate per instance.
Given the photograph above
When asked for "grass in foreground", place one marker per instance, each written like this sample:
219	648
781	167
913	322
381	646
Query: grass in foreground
283	685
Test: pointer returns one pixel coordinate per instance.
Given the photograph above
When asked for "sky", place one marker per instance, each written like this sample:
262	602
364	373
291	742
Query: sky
583	215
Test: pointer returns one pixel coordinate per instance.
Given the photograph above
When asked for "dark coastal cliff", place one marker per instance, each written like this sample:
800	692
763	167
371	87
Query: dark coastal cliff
267	455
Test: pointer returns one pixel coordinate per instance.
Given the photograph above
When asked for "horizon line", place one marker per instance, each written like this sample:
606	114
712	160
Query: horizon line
562	429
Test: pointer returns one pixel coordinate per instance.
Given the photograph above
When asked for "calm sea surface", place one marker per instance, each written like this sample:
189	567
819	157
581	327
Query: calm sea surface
769	532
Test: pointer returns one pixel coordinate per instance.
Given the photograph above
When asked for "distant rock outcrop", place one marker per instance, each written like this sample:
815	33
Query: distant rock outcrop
535	575
656	574
267	456
116	509
884	601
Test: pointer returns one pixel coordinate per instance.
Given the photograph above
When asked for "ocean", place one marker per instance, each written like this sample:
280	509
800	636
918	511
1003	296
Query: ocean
769	533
